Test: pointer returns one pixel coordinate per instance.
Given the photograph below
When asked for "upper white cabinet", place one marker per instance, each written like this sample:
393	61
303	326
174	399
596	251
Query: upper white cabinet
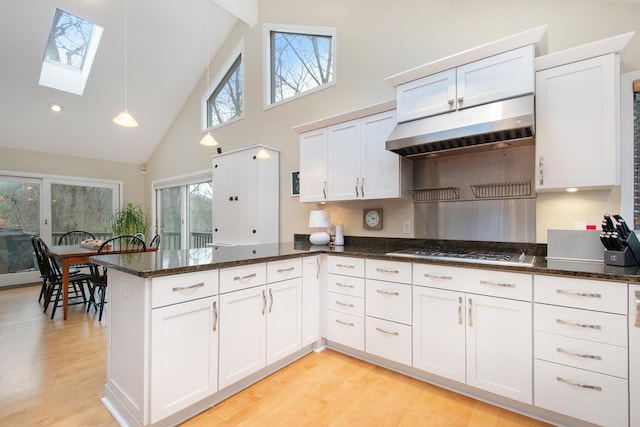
497	77
348	160
245	197
577	121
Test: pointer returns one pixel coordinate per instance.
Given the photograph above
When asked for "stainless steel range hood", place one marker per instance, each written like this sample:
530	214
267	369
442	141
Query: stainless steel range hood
496	125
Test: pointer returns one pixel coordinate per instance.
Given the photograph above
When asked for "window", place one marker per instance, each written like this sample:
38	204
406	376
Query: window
69	53
299	61
225	103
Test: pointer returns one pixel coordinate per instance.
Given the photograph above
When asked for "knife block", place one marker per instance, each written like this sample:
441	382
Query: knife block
629	256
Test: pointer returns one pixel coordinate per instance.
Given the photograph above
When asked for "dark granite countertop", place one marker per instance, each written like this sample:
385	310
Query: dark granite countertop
163	263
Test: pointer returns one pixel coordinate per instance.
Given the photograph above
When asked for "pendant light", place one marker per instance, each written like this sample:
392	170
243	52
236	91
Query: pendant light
263	154
208	140
125	119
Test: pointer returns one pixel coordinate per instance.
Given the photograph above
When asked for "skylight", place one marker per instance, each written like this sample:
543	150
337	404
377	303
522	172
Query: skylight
69	54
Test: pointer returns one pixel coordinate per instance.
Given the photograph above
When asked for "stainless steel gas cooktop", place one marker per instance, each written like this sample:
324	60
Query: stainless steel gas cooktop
474	256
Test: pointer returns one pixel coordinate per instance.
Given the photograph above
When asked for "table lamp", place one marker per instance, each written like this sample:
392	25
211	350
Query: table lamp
319	219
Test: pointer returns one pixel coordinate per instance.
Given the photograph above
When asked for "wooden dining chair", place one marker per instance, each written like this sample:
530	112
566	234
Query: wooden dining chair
155	242
73	238
98	286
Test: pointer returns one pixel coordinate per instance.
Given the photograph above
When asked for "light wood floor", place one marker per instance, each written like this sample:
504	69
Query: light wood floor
52	373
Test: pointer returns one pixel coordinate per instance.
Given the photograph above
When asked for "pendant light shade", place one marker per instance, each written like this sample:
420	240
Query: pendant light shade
125	119
208	140
263	154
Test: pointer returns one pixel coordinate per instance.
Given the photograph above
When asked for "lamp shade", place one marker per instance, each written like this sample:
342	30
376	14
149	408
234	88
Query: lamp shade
319	219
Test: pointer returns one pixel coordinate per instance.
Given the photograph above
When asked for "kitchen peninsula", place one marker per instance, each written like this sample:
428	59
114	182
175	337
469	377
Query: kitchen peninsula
191	328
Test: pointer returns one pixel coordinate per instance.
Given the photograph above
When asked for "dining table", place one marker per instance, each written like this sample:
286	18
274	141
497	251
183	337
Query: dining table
69	255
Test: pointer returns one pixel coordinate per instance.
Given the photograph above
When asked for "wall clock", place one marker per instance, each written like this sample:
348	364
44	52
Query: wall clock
372	219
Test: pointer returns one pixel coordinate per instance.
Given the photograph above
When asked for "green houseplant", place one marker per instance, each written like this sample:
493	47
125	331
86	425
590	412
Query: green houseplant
130	220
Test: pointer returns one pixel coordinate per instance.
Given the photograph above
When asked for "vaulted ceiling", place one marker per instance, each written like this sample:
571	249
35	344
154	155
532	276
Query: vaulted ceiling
166	48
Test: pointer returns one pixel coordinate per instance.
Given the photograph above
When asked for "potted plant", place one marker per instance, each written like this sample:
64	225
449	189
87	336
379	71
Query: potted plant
130	220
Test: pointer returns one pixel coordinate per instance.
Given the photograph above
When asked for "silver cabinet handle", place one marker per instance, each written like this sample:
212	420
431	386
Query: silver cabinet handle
503	285
357	183
460	99
541	170
590	387
580	325
344	304
577	294
271	300
637	323
459	310
264	301
384	270
431	276
470	313
215	316
380	291
362	187
450	101
584	356
345	266
387	332
344	323
342	285
244	277
284	270
324	190
186	288
317	268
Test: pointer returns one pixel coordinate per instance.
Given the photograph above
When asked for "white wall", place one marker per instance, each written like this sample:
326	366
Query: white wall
378	38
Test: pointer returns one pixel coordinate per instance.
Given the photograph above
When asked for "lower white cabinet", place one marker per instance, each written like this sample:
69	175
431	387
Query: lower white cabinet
483	341
310	300
258	326
634	355
387	339
184	359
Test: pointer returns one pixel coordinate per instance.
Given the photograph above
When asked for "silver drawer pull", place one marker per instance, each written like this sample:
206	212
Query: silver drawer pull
284	270
637	323
431	276
186	288
577	294
580	325
380	291
345	266
342	285
590	387
244	277
215	316
344	323
344	304
384	270
584	356
387	332
503	285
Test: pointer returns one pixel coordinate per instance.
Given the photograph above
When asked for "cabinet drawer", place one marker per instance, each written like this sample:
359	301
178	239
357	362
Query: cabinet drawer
582	293
387	300
284	270
345	304
346	285
345	329
179	288
484	282
388	339
242	277
589	325
391	271
593	356
347	266
597	398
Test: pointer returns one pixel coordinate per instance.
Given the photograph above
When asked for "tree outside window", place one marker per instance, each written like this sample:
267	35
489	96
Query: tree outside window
225	103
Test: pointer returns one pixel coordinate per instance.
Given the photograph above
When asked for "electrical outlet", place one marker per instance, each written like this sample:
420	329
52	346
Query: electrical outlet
406	227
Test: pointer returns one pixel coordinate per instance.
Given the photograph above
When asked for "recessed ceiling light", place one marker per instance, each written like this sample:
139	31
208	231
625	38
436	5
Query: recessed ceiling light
56	108
571	190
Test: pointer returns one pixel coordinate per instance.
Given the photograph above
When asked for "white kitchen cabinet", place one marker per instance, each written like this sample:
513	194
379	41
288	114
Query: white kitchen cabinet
634	355
497	77
581	352
184	358
245	197
482	340
358	166
260	324
313	166
577	125
345	301
310	300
